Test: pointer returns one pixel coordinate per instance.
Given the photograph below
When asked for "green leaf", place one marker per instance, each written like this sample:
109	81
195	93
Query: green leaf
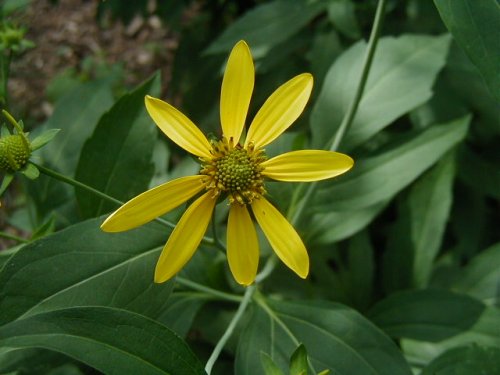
111	340
270	368
346	224
7	179
481	277
44	138
30	171
342	14
379	178
11	6
298	361
474	25
467	360
267	25
484	332
7	253
85	266
181	310
429	207
336	337
401	78
38	362
76	114
116	159
427	315
360	274
479	173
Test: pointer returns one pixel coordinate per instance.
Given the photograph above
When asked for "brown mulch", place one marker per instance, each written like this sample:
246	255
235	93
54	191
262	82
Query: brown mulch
68	31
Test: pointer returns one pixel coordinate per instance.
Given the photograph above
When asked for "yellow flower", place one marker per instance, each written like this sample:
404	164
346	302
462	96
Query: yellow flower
236	170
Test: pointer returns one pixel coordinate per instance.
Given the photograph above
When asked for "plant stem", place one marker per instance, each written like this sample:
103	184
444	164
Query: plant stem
75	183
217	241
268	268
335	142
216	293
353	107
230	328
370	52
78	184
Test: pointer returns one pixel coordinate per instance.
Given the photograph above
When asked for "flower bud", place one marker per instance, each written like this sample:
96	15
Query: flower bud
14	152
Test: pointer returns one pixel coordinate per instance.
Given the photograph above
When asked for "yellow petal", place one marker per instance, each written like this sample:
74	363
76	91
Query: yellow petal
178	127
237	87
185	238
284	240
280	110
307	165
153	203
242	245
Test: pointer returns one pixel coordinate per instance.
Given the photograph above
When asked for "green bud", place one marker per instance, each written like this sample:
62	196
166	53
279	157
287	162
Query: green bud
14	153
12	37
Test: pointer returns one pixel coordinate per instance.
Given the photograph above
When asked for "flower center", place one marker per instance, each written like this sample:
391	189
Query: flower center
235	171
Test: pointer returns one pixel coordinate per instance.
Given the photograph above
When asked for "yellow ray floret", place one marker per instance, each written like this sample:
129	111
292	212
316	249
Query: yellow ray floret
307	165
236	170
237	87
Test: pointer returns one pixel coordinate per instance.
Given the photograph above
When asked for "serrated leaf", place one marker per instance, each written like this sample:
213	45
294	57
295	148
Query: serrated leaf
474	25
83	265
277	327
116	159
427	315
267	25
401	78
111	340
466	360
379	178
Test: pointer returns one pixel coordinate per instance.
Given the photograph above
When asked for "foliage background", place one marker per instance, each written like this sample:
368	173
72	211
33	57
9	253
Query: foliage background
405	248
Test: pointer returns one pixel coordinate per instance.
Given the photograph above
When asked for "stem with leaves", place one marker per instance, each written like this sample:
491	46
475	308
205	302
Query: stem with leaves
332	145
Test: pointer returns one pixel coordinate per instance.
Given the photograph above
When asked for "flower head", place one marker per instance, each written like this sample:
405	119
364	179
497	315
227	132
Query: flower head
16	149
236	169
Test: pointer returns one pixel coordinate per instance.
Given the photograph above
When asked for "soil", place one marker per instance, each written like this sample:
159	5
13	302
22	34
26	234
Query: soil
67	32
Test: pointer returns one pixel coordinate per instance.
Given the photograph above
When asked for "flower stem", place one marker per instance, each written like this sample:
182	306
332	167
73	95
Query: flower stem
216	293
335	141
80	185
75	183
230	328
370	52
